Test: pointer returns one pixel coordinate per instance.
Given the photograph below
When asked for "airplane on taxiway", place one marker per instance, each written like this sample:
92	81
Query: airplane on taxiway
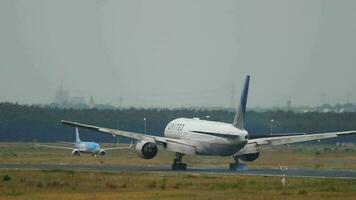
202	137
92	148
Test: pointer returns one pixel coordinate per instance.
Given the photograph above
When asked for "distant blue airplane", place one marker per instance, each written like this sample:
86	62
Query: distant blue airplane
92	148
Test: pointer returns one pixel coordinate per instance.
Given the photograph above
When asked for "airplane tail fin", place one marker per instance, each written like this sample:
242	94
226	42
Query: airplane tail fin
241	108
77	139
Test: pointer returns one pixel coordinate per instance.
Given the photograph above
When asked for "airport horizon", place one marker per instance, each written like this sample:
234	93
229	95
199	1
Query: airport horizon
180	99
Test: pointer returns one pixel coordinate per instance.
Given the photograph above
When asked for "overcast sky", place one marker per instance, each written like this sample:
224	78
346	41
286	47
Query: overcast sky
178	52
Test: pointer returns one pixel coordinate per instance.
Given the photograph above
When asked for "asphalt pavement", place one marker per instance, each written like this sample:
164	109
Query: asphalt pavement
212	170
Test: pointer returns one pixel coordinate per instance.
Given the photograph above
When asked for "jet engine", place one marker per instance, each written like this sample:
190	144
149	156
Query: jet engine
146	150
250	152
102	153
249	157
75	152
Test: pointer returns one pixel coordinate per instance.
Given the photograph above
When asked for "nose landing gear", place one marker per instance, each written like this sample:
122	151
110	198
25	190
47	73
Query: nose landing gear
177	162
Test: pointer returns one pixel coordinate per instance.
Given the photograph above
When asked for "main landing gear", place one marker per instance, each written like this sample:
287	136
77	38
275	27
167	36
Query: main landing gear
177	162
237	165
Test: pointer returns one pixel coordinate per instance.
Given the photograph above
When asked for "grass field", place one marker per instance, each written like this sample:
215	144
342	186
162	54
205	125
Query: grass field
310	156
92	185
17	184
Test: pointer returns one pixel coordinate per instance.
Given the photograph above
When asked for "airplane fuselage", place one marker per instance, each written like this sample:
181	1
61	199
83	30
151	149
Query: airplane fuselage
207	137
88	147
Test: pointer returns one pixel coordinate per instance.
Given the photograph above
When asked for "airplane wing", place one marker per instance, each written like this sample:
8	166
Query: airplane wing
281	140
57	147
178	145
136	136
113	148
63	142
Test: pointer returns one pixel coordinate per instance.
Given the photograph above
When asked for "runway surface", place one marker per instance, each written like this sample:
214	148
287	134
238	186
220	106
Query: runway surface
292	172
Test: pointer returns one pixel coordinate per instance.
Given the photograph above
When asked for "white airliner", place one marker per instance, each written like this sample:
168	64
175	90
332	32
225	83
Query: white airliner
202	137
92	148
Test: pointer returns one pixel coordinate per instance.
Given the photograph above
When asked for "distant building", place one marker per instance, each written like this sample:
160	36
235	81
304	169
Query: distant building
289	105
61	96
77	100
91	102
120	102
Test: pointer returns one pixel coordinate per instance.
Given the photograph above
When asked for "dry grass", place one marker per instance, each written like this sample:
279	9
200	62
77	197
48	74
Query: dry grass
92	185
311	156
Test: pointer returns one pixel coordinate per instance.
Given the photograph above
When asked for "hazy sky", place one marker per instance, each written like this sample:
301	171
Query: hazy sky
178	52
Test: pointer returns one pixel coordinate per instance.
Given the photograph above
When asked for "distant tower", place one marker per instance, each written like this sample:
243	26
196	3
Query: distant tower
62	96
348	97
120	102
91	102
232	97
289	105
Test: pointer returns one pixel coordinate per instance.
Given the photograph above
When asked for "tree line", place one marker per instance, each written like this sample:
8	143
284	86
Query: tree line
41	123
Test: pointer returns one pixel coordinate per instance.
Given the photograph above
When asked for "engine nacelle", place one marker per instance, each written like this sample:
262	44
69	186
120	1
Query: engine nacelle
102	153
250	152
249	157
75	152
146	150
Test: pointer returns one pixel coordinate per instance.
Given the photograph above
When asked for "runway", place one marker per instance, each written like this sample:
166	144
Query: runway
209	170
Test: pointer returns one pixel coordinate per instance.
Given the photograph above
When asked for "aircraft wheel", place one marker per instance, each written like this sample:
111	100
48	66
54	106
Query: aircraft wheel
179	166
177	162
236	167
